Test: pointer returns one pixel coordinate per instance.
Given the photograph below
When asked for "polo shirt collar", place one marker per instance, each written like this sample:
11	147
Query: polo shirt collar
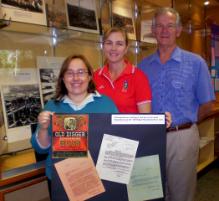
176	55
129	69
88	99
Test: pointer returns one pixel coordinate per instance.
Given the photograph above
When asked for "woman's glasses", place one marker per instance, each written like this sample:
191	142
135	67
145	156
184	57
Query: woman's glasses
78	73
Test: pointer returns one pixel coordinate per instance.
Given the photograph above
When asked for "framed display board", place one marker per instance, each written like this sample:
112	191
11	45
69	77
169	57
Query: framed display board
122	16
32	11
21	102
48	71
146	34
111	138
82	15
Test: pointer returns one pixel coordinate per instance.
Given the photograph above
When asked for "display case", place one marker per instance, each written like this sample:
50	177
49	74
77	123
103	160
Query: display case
26	47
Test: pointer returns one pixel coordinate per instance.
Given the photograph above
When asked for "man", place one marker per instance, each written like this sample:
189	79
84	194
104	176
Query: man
180	84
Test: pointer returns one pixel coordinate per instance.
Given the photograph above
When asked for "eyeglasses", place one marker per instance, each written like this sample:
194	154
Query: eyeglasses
168	26
79	73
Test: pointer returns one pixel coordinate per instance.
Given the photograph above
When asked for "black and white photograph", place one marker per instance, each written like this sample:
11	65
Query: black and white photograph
48	72
146	34
122	16
22	104
82	15
28	11
123	22
28	5
48	80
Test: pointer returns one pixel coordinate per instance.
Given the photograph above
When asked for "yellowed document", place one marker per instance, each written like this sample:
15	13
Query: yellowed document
79	178
145	182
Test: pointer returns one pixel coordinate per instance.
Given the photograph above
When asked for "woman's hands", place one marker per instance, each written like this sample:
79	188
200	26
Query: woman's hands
44	122
44	119
168	119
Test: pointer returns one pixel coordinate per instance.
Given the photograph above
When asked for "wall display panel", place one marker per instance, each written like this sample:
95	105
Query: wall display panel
56	13
82	15
21	105
32	11
21	102
112	146
48	70
146	34
123	17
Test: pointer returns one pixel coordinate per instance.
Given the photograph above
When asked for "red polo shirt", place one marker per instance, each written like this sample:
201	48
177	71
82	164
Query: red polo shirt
130	89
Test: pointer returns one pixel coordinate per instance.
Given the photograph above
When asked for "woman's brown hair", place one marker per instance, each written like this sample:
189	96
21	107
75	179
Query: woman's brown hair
114	30
61	90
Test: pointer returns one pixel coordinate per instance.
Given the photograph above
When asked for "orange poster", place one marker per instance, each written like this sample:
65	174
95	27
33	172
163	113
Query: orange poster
79	178
70	135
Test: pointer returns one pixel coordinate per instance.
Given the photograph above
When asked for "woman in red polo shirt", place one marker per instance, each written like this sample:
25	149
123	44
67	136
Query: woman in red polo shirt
119	79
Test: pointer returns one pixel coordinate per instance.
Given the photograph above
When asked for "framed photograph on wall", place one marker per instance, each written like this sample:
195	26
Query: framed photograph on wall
21	101
28	11
48	71
122	16
21	105
146	34
82	15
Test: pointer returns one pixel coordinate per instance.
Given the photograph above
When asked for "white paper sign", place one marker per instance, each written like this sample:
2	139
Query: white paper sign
116	158
134	119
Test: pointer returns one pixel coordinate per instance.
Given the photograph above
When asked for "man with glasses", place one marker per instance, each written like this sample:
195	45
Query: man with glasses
180	84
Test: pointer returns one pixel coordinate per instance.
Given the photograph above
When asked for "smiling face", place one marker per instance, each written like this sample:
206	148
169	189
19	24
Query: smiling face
115	47
76	78
166	30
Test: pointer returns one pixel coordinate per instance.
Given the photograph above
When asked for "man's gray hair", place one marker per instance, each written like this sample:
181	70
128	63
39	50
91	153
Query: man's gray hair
165	10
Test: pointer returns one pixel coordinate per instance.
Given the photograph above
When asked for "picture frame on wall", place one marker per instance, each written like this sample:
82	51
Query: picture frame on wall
21	102
31	11
146	34
21	106
122	16
82	15
48	72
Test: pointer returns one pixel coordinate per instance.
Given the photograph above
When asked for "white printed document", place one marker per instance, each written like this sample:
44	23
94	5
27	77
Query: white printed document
116	158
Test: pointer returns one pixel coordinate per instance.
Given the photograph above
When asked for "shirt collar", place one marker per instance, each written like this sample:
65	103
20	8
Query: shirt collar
176	55
88	99
129	69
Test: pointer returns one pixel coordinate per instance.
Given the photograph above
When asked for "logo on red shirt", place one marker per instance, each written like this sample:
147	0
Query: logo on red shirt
125	86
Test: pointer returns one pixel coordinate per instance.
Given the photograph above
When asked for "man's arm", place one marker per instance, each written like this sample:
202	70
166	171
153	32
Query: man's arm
205	109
